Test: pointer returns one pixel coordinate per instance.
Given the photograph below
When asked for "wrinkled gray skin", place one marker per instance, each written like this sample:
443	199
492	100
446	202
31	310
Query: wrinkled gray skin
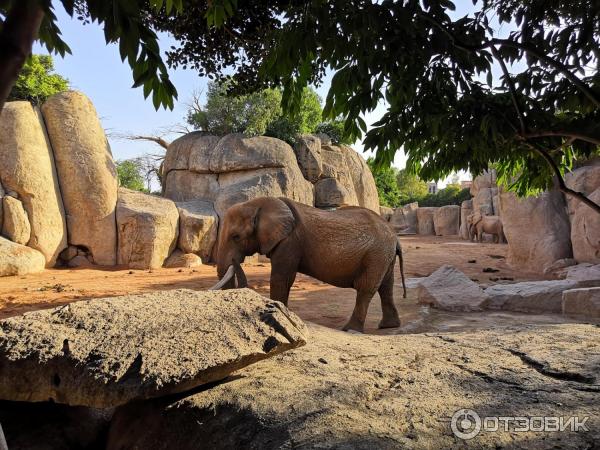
479	224
351	247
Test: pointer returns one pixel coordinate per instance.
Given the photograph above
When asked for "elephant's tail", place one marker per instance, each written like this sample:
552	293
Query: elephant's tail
401	259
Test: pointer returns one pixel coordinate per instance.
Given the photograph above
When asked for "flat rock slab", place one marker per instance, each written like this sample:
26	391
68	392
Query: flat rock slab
529	296
107	352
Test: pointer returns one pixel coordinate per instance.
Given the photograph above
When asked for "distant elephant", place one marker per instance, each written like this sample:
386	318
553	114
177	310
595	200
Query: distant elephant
350	247
479	224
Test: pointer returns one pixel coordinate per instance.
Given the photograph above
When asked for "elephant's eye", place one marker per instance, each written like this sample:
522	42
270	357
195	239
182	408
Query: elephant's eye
235	237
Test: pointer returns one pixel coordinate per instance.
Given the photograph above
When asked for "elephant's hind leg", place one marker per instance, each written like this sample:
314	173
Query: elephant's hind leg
357	320
390	318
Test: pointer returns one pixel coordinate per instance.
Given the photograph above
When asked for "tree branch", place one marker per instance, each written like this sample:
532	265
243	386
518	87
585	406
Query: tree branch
511	88
19	30
156	139
561	182
561	133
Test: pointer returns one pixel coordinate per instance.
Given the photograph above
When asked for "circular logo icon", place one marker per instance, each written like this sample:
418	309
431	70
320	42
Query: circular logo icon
465	424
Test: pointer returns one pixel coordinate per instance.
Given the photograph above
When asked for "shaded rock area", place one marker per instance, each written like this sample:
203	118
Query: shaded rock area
27	168
86	172
449	289
404	219
446	220
537	229
17	259
582	302
108	352
148	227
425	220
532	296
365	392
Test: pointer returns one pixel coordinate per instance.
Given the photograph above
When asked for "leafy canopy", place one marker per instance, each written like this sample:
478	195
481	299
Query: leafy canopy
127	23
129	173
411	187
255	114
37	81
459	95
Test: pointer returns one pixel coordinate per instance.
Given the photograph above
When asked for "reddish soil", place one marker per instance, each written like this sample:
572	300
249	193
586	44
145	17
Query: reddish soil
310	299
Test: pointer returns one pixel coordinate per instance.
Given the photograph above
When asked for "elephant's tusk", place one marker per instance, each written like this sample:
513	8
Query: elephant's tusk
242	282
226	278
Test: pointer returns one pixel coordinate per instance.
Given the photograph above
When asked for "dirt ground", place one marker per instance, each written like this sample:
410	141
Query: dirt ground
310	299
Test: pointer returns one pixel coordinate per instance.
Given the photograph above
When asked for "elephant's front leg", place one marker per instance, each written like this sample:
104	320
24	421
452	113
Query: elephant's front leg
281	283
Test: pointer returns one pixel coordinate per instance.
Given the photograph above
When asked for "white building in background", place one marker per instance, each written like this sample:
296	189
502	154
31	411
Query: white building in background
432	187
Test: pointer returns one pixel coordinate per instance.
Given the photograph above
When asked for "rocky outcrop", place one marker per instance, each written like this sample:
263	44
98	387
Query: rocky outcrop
27	168
308	153
17	259
86	171
330	193
342	391
386	213
108	352
585	179
425	220
585	231
15	223
148	227
446	220
404	219
198	226
537	229
449	289
466	209
182	260
233	169
582	302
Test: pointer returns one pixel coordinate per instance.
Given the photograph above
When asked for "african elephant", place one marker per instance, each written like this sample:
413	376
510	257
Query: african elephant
479	224
349	247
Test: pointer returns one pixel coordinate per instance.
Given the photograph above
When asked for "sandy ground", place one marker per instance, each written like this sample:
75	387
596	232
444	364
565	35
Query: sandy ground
310	299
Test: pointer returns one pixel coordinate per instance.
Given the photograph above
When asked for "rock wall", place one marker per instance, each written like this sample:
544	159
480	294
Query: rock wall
86	172
28	173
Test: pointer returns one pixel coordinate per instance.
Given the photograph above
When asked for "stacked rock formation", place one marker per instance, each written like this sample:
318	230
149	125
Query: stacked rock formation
60	202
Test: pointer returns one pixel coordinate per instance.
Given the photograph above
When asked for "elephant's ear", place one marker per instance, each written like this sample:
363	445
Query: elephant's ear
274	221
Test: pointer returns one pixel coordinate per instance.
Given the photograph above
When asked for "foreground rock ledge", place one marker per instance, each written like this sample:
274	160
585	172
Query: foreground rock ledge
107	352
386	392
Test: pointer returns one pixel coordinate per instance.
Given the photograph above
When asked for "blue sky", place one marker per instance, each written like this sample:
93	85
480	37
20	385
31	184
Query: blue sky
96	69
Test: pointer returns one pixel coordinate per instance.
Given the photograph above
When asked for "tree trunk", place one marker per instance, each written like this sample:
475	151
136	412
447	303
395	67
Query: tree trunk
19	31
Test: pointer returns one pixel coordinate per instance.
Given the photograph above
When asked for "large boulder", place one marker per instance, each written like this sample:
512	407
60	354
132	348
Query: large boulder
233	169
404	219
308	153
449	289
485	180
386	213
17	259
27	168
15	224
585	179
483	201
110	351
446	220
537	229
362	179
585	231
148	228
529	296
182	260
198	226
86	171
330	193
425	220
466	209
384	392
